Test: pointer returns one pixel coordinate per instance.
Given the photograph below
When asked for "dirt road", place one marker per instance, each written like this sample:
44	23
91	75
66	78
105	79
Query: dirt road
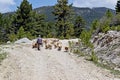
25	63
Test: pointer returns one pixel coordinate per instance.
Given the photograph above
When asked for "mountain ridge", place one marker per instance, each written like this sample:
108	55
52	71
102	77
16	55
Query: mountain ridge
88	14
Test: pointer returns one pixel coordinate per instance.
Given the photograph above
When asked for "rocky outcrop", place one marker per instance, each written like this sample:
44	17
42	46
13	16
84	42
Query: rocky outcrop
23	40
107	48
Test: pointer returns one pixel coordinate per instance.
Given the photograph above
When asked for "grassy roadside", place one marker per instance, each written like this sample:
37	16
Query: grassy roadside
112	70
3	55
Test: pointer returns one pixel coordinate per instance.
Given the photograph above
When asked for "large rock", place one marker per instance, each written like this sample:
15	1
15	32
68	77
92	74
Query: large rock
107	47
23	40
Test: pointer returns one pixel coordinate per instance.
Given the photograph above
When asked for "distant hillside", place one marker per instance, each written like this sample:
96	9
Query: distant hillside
87	13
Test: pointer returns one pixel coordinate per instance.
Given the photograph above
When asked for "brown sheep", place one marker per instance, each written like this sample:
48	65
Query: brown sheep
55	46
48	46
66	49
35	45
45	41
59	48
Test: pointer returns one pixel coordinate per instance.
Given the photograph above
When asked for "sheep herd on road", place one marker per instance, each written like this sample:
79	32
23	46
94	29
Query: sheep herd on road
52	44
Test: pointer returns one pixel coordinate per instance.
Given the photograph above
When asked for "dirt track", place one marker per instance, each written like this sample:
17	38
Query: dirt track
25	63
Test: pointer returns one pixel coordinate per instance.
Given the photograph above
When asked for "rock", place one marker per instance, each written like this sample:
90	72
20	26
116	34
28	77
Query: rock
8	42
116	61
107	47
23	40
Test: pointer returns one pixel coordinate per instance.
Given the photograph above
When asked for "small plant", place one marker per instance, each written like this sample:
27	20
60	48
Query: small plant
117	28
3	56
71	45
112	70
12	37
94	58
105	28
49	35
85	38
61	37
76	51
21	33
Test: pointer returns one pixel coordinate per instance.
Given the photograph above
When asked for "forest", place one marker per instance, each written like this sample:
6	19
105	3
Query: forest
26	22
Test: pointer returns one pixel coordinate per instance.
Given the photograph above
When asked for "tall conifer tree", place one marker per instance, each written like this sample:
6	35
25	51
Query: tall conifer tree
23	16
63	13
79	26
118	7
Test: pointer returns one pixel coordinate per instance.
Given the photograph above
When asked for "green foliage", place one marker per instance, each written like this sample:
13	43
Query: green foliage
49	35
21	33
50	30
106	21
88	14
12	37
39	25
105	28
29	35
94	58
76	51
117	28
113	71
115	20
105	24
94	25
118	7
2	28
70	45
108	14
79	26
23	16
3	56
85	38
63	14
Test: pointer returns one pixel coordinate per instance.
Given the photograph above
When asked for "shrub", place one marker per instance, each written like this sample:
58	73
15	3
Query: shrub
49	35
94	58
76	51
3	55
105	28
21	33
29	35
85	38
12	37
117	28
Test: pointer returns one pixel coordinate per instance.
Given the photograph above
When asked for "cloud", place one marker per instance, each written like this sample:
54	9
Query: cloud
5	5
95	3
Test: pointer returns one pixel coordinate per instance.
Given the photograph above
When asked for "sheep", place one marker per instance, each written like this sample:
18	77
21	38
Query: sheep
35	45
59	48
66	49
55	46
48	46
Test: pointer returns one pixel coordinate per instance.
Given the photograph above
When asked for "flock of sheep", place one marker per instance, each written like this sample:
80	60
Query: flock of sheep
52	44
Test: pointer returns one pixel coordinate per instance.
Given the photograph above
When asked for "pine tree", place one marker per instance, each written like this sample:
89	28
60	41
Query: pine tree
21	33
63	13
1	27
108	14
95	25
118	7
39	25
79	26
23	16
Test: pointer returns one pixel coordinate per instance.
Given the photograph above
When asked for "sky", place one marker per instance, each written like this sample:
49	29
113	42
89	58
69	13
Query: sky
11	5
